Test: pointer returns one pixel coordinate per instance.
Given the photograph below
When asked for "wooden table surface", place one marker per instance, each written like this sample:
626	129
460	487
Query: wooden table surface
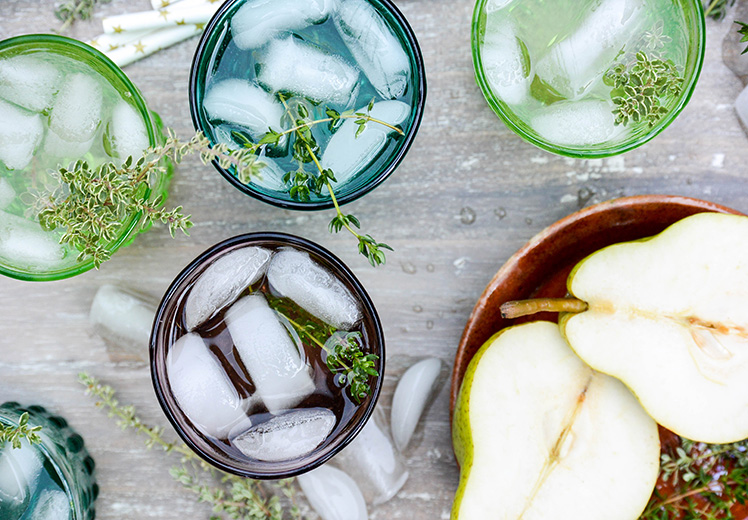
468	195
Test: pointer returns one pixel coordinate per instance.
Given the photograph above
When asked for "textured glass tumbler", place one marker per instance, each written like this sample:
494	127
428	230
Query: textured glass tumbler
50	479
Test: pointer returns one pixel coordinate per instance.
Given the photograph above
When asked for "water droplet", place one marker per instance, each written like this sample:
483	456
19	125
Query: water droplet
430	268
528	221
467	215
429	324
408	267
584	195
500	213
417	308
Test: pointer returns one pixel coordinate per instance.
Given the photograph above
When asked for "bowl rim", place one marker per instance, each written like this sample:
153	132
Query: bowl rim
555	233
151	122
175	290
394	163
508	117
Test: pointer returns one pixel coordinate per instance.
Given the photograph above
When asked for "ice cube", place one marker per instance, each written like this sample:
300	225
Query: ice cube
374	46
291	65
76	112
222	283
346	154
288	436
201	387
124	321
293	274
65	151
239	102
52	505
275	362
414	391
26	244
576	123
506	62
373	462
258	21
333	494
574	64
28	81
7	193
20	469
127	133
271	175
494	5
20	133
741	107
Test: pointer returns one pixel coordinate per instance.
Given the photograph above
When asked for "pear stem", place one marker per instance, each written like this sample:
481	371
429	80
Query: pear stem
519	308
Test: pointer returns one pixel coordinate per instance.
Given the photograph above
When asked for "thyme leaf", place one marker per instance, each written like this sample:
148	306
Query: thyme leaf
15	434
72	10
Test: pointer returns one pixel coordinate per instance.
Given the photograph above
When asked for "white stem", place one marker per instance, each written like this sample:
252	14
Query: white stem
193	14
152	42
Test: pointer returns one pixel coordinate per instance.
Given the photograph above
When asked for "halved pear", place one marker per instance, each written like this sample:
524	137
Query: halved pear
669	317
540	435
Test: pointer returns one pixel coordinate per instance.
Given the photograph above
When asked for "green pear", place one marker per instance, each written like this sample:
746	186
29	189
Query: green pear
540	435
669	317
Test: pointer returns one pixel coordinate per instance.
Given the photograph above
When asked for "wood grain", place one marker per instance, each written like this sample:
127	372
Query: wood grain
467	196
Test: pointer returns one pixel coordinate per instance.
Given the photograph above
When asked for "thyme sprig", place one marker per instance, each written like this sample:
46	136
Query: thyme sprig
717	8
344	351
642	88
93	204
743	31
15	434
707	481
72	10
230	496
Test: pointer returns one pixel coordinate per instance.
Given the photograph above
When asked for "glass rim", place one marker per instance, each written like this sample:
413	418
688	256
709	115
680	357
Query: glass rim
175	290
137	98
508	117
393	163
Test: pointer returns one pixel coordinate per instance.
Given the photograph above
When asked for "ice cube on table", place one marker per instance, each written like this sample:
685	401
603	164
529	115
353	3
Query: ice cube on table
25	244
274	361
76	112
293	274
201	387
291	65
506	62
127	134
373	462
414	391
7	193
29	82
741	107
333	494
52	505
20	470
576	123
124	321
20	134
258	21
288	436
222	282
346	154
574	64
239	102
374	46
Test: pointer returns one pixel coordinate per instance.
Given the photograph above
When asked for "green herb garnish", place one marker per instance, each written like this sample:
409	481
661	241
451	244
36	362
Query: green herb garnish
707	480
15	434
642	87
343	351
743	31
717	8
71	11
229	495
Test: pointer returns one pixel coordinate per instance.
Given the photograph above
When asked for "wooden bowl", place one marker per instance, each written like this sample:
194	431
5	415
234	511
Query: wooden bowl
541	267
